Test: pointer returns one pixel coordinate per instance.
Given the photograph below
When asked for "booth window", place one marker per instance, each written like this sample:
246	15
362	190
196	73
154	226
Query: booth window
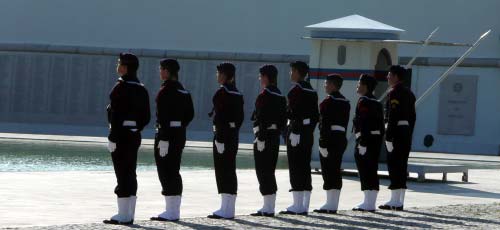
341	55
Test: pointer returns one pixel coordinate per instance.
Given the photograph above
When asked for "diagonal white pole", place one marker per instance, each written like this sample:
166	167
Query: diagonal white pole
426	42
453	67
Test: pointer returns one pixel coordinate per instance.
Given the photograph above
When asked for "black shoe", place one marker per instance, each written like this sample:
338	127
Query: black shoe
265	214
154	218
362	210
325	211
385	207
115	222
389	207
286	212
214	216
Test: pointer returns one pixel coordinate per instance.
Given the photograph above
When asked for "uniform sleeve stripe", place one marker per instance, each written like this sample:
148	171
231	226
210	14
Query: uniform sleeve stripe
274	93
183	91
231	92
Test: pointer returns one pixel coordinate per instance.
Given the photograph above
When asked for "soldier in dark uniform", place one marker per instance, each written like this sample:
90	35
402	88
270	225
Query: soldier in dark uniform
334	118
368	128
174	112
128	114
269	119
400	121
303	115
227	116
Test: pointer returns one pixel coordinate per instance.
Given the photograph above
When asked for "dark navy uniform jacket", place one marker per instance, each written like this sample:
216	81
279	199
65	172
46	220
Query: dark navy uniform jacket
368	119
174	109
302	110
270	112
399	110
334	117
227	112
128	110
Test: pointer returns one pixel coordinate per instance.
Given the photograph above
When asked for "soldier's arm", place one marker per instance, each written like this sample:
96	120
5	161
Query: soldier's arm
163	112
146	111
240	113
188	110
116	112
221	114
296	110
325	122
261	116
397	108
363	122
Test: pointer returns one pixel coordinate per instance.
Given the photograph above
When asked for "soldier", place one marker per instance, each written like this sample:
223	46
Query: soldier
174	112
128	114
334	118
269	120
368	128
303	115
400	120
227	116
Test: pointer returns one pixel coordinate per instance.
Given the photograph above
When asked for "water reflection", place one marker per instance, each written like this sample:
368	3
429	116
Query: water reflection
23	155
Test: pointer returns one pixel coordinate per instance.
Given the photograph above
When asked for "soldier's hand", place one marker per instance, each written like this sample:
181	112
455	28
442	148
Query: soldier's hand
390	146
260	145
219	147
294	139
163	148
362	150
111	146
323	152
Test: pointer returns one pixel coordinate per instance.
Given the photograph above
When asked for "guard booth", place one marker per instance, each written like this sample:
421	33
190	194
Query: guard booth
350	46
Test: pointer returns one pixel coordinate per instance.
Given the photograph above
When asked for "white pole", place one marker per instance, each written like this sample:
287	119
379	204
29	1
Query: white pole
453	67
426	42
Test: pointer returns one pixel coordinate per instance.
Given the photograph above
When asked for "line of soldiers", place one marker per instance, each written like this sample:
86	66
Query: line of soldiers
295	115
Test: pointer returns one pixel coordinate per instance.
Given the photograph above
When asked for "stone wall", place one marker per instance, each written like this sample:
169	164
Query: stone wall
55	87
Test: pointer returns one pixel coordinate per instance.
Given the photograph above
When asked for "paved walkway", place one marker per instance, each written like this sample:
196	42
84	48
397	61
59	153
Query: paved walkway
58	198
444	217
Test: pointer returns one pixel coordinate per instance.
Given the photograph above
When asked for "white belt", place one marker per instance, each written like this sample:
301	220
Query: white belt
403	122
337	128
129	123
376	132
175	124
271	127
304	122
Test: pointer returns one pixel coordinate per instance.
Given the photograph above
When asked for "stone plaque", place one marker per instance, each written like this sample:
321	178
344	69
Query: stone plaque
457	105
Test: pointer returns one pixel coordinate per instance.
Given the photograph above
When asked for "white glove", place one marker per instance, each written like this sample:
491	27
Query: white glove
390	146
362	150
294	139
163	147
323	152
219	147
260	144
111	146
